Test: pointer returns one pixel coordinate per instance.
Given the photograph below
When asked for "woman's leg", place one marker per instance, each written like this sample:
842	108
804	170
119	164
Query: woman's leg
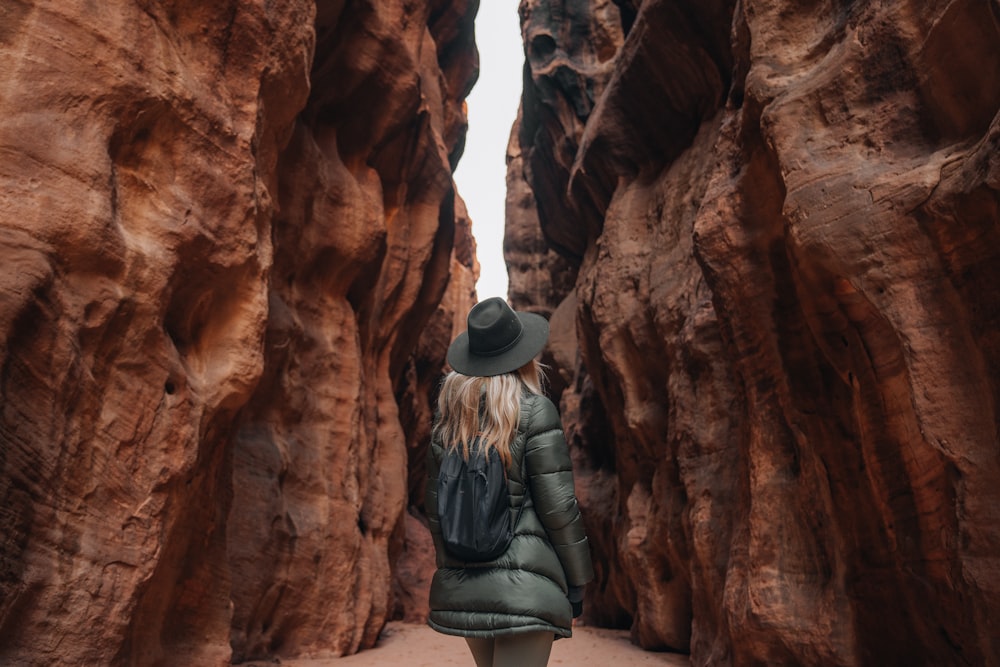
530	649
482	651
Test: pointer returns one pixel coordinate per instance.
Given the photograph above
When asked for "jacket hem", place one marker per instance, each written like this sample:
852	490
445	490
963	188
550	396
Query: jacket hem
501	632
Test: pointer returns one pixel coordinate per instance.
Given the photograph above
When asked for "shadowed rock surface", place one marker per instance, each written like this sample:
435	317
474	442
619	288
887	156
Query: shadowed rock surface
768	233
223	229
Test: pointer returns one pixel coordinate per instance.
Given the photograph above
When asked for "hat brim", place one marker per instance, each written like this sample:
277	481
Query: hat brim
535	333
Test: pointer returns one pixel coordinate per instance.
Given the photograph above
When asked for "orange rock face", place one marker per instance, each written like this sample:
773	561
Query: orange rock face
779	360
232	256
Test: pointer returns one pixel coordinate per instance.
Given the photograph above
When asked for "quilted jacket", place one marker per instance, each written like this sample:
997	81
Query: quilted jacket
525	589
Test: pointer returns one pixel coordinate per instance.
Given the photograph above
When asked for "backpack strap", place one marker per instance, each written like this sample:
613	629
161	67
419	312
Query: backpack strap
522	433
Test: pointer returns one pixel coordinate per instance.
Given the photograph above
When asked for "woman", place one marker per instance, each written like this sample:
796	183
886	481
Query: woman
509	609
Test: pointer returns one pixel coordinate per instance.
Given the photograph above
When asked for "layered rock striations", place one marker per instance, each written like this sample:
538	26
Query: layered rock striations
225	228
780	224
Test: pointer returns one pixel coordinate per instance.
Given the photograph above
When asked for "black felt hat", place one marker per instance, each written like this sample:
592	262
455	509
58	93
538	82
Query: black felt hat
498	340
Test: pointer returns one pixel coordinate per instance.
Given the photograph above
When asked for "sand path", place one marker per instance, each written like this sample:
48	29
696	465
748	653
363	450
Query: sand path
409	645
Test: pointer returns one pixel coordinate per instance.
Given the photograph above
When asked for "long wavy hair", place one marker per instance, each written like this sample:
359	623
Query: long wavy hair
487	407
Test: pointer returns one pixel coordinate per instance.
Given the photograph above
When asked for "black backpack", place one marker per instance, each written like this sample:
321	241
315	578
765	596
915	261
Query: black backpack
473	504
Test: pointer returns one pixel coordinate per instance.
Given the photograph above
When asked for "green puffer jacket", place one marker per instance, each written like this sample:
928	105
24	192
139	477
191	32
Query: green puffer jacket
525	589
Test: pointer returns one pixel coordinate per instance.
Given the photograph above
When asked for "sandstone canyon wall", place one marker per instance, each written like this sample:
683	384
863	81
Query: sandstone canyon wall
232	253
768	235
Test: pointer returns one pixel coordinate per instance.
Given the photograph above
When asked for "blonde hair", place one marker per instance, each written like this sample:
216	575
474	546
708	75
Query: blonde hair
487	407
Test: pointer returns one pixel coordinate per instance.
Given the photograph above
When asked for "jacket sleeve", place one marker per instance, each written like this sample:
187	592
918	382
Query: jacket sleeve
550	477
431	507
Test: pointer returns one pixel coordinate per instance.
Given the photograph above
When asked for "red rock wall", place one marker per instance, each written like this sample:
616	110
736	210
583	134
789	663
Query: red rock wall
232	256
777	359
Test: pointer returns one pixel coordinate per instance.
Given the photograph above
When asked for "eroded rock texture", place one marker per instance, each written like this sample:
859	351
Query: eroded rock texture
224	227
778	359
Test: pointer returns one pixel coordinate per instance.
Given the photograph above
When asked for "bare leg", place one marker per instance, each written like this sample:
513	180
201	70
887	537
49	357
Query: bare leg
482	651
530	649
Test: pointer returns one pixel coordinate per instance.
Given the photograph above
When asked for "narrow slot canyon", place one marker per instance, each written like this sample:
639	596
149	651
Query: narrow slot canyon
765	233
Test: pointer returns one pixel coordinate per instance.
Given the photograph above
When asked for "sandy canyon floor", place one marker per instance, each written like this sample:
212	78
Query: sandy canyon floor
410	645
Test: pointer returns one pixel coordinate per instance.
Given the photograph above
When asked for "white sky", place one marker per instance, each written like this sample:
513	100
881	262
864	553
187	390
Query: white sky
482	171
